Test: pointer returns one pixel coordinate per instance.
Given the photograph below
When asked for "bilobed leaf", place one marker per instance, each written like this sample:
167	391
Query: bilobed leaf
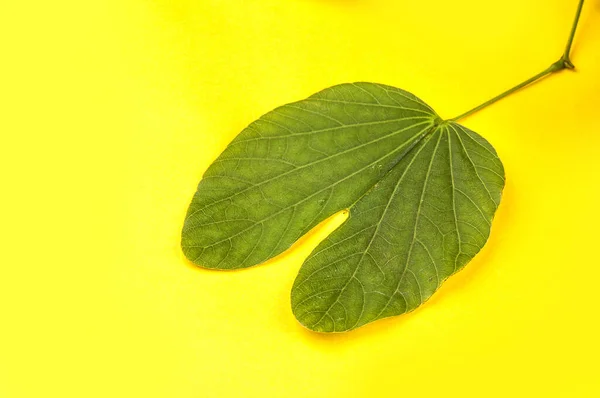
421	195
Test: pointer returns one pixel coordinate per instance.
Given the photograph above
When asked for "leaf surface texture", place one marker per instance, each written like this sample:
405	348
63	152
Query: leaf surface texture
421	195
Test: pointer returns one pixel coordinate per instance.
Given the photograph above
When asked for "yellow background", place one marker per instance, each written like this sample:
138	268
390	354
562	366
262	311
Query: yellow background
110	111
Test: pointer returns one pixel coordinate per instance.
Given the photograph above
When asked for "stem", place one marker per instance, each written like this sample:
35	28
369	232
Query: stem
506	93
563	63
572	35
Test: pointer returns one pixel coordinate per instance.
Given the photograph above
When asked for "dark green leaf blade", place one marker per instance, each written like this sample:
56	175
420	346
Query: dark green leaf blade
296	166
424	221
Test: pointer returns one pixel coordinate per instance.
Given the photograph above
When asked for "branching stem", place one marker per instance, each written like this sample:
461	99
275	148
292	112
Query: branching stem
563	63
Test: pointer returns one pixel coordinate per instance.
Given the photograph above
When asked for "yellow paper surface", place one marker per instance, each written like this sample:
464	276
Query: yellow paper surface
112	110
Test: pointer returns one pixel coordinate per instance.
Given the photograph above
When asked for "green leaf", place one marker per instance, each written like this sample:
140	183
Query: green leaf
421	195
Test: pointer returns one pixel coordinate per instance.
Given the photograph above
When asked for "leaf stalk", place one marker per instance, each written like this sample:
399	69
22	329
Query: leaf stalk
564	62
